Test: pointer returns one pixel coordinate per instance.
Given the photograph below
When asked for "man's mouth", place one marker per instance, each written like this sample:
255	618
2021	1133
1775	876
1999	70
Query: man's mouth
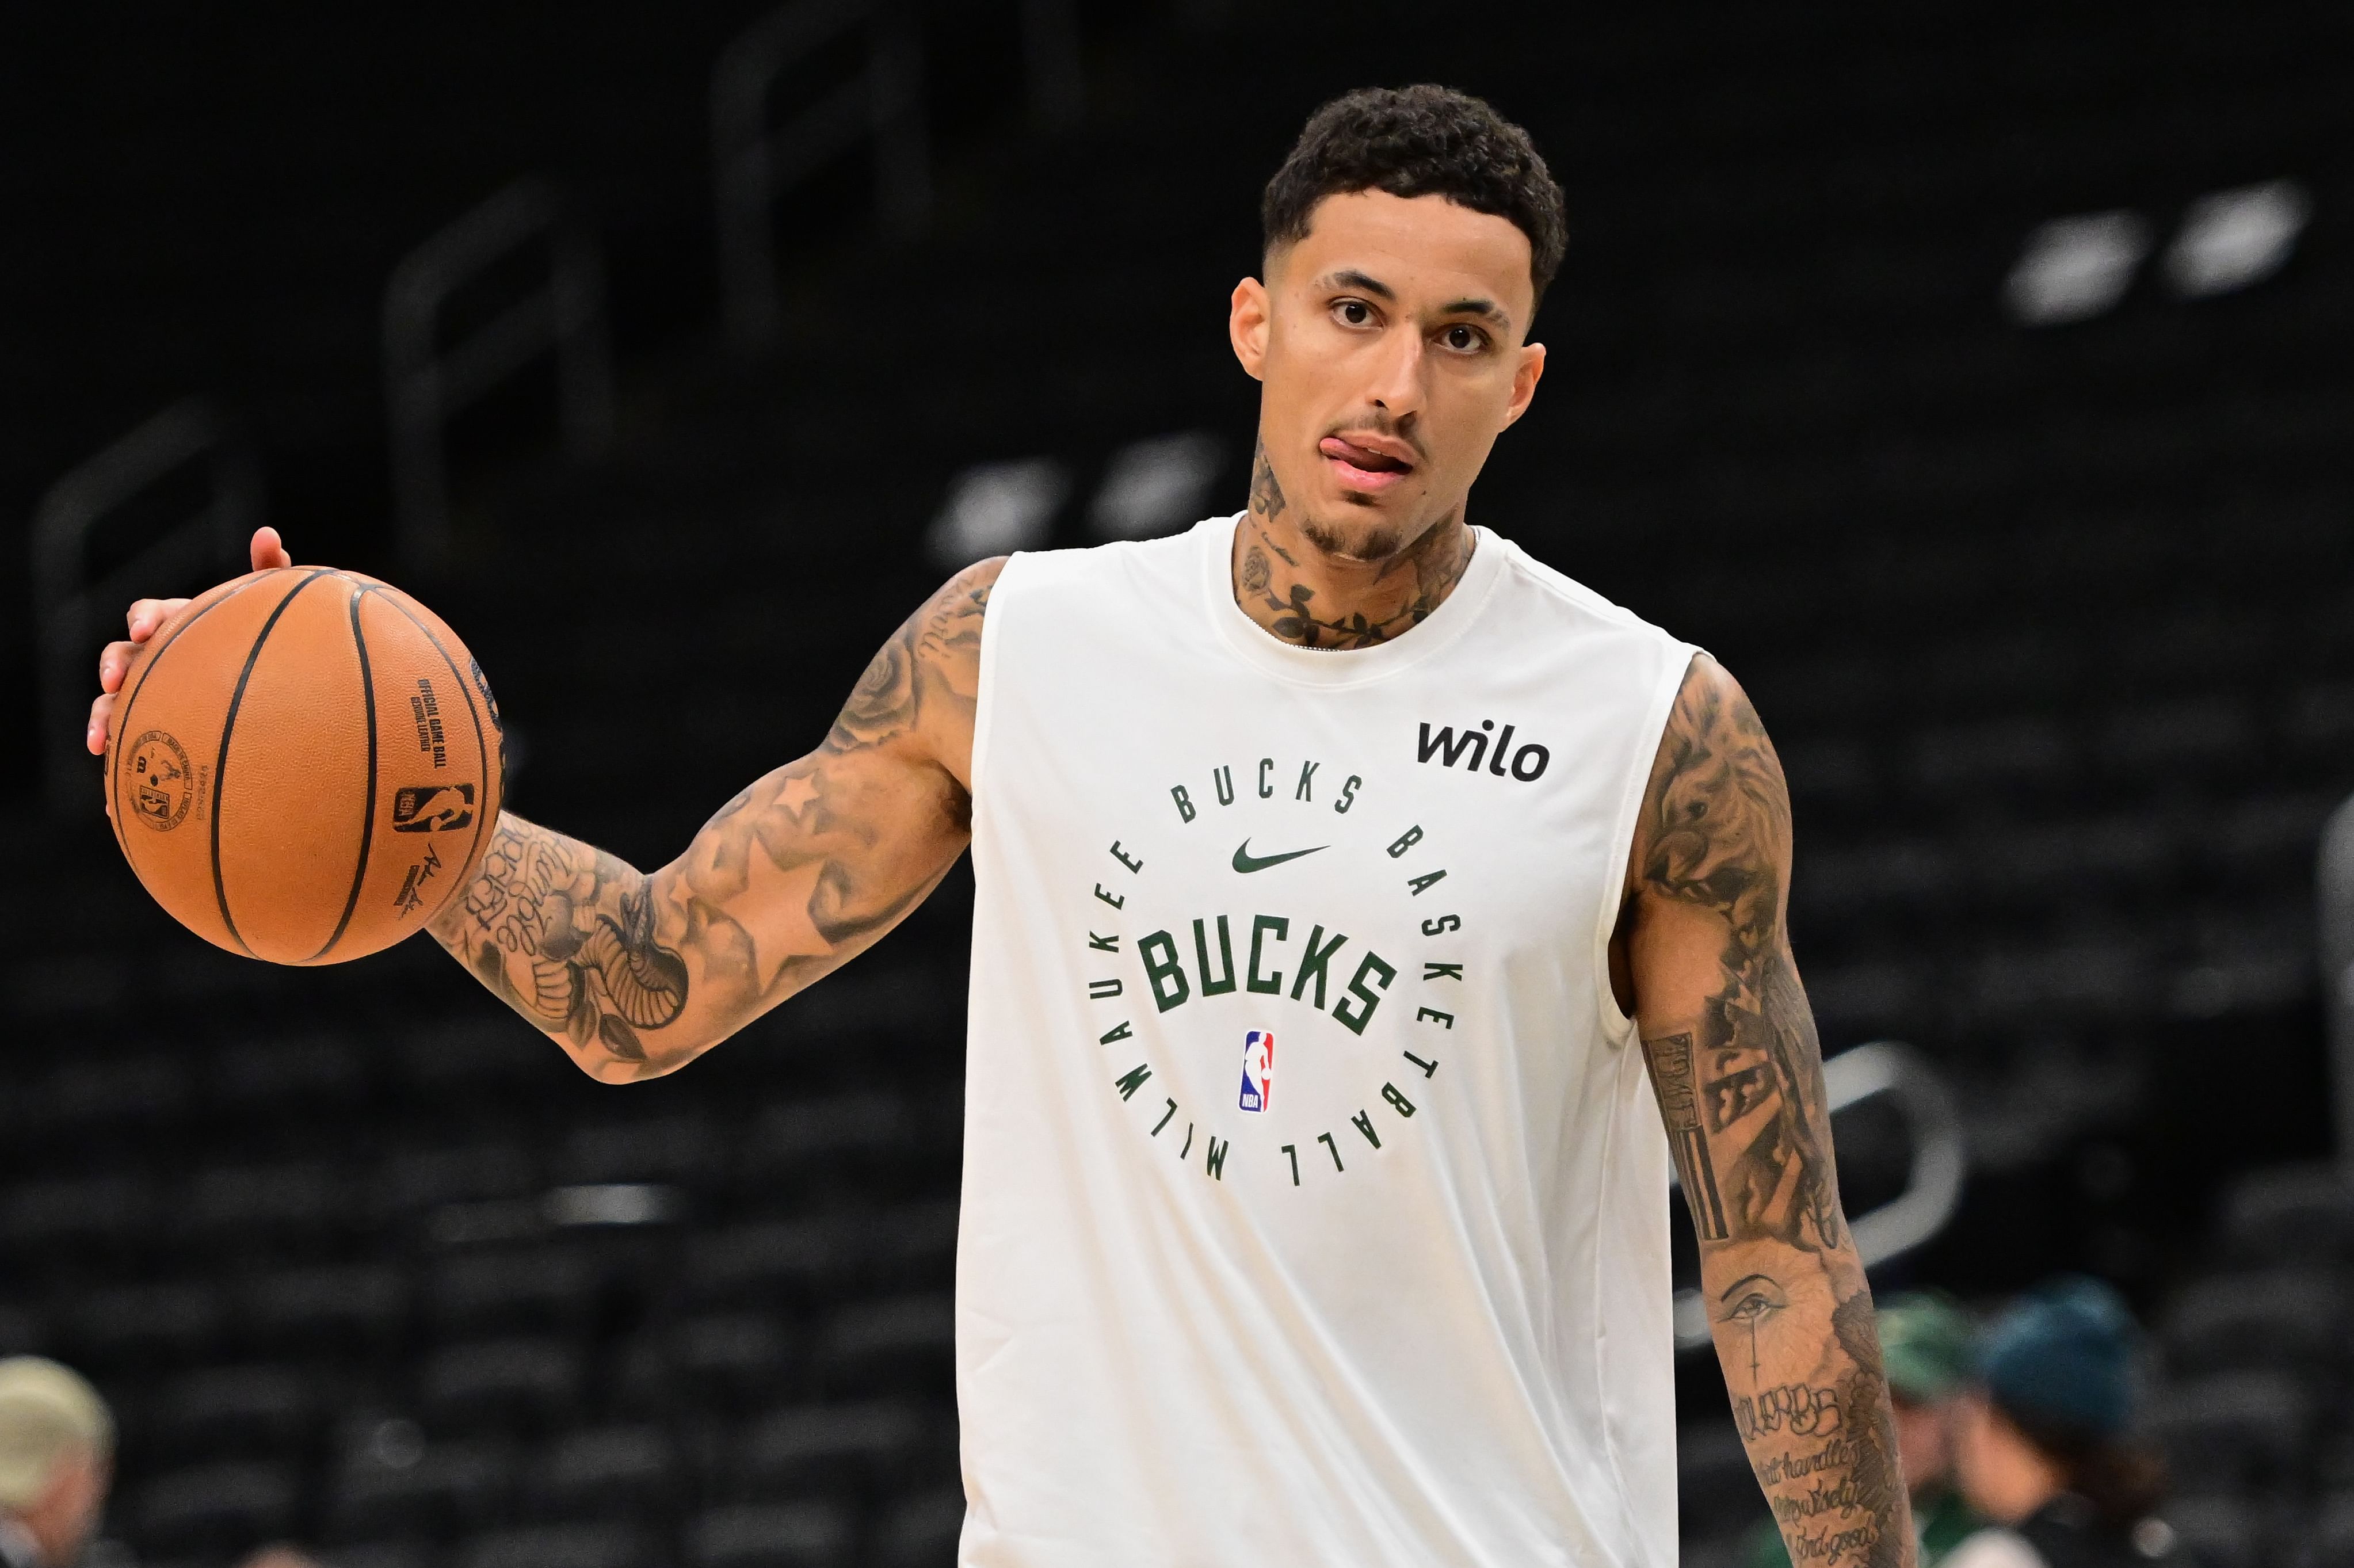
1364	467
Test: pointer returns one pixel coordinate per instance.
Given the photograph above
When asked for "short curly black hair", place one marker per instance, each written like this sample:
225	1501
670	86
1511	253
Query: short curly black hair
1419	141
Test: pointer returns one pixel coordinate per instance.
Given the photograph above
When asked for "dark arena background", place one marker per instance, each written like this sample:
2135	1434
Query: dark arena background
1971	378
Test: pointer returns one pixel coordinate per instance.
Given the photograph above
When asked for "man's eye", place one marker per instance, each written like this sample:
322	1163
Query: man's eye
1354	312
1463	338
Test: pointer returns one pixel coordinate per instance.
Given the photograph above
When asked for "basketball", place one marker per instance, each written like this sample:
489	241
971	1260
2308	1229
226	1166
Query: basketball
303	767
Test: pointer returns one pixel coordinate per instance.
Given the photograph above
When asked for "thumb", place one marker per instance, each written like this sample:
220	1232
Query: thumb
267	551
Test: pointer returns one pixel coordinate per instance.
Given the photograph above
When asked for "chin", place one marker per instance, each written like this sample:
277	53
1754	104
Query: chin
1365	536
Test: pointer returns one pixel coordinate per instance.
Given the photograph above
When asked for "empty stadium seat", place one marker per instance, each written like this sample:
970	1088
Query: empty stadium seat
141	1327
54	1221
687	1150
768	1265
2234	1431
2294	1215
902	1344
272	1208
845	1140
441	1490
559	1546
2329	1542
830	1450
920	1530
354	1310
733	1361
225	1507
2221	1532
543	1289
527	1383
240	1410
605	1472
769	1535
2290	1318
415	1180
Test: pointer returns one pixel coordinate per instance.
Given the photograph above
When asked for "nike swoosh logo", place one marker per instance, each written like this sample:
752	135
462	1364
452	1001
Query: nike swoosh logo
1244	861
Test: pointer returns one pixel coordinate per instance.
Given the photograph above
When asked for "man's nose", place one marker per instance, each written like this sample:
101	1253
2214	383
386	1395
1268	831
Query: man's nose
1397	387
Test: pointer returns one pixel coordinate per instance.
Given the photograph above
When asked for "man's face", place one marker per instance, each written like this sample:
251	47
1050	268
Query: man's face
1388	344
1923	1441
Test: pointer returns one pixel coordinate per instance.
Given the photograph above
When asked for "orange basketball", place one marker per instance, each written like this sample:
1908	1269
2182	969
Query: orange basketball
303	765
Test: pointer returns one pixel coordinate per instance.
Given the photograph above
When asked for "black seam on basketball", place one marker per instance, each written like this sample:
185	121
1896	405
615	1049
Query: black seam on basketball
367	816
228	728
122	721
483	757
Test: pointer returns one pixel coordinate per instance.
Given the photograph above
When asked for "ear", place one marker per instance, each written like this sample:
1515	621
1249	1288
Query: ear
1247	324
1525	376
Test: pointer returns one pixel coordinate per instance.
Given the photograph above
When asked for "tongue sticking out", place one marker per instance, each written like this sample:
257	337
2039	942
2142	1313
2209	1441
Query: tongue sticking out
1361	457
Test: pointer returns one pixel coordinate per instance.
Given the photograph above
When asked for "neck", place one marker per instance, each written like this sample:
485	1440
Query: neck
1309	595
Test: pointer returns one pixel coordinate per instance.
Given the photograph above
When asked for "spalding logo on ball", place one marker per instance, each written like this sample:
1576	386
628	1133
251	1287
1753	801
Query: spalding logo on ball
305	766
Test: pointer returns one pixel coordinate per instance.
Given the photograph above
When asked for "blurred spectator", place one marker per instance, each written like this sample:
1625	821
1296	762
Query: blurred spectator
1924	1340
2040	1446
57	1457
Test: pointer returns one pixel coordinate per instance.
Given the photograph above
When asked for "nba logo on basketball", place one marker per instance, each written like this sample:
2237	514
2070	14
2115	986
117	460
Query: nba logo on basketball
1259	1068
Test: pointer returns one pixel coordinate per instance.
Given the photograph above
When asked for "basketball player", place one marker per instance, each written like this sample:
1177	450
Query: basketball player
1342	877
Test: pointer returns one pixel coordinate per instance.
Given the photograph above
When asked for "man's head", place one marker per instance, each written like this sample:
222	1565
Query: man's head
57	1455
1925	1344
1409	236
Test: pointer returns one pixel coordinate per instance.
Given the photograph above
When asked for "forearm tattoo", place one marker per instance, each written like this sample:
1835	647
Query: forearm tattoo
1742	1093
797	874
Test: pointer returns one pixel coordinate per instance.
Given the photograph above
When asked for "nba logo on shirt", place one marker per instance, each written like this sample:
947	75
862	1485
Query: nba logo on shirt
1259	1068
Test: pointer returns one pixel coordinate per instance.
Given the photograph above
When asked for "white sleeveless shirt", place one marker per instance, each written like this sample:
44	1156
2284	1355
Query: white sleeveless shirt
1315	1199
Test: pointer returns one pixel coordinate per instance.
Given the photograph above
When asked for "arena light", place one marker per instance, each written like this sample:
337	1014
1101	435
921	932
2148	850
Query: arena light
1156	486
996	508
2073	269
2229	239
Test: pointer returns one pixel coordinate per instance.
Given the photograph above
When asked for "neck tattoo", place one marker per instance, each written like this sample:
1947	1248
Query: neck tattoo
1272	594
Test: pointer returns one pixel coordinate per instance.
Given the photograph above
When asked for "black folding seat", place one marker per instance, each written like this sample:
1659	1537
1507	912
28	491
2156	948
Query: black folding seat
282	1077
228	1507
523	1384
108	1218
242	1411
863	1144
275	1209
2296	1214
833	1450
2330	1540
770	1266
732	1361
351	1310
912	1247
119	1094
900	1344
2218	1530
2291	1318
418	1181
606	1472
560	1546
920	1530
688	1149
2234	1432
2003	756
425	1492
769	1535
2203	737
141	1327
547	1289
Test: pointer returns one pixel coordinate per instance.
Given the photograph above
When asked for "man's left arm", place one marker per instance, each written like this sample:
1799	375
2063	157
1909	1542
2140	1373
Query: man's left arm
1731	1046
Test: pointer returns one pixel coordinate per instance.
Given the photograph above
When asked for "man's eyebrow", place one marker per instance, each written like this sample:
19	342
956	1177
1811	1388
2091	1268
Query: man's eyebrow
1487	310
1348	278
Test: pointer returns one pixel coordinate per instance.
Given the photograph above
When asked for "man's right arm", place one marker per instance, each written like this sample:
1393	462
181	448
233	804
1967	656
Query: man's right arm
637	973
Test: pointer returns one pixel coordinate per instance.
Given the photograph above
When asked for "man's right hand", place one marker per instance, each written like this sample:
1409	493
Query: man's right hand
147	615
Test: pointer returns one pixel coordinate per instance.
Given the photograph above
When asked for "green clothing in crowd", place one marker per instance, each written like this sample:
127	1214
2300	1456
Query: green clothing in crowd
1939	1516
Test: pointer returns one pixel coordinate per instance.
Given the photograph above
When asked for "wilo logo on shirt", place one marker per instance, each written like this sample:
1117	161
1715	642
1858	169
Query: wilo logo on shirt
1527	764
1259	1068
